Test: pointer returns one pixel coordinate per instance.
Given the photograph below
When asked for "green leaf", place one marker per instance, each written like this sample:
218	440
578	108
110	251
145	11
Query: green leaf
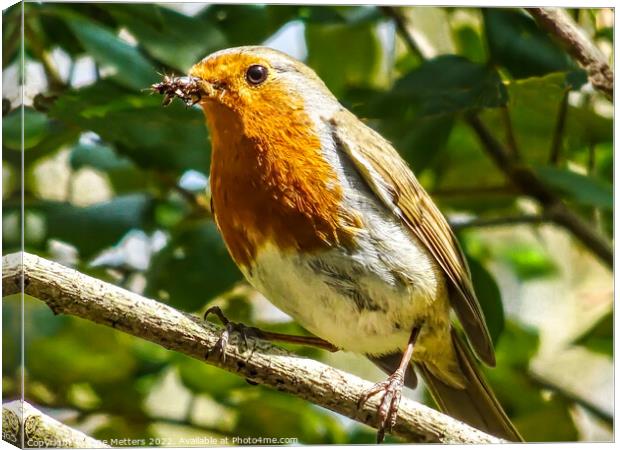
533	109
432	27
580	188
576	78
78	352
528	261
171	211
273	414
196	255
122	173
469	44
517	347
320	14
461	157
12	332
585	127
203	378
419	140
11	29
605	161
97	156
351	15
169	139
606	33
450	84
175	39
358	434
490	298
88	11
36	126
549	420
93	228
127	65
536	414
11	179
126	426
43	137
151	355
45	23
515	41
57	33
358	65
600	337
248	24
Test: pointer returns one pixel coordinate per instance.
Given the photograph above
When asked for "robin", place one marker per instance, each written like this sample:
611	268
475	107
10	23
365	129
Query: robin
324	217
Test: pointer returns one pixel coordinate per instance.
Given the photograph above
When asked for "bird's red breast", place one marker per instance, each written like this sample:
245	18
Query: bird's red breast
270	181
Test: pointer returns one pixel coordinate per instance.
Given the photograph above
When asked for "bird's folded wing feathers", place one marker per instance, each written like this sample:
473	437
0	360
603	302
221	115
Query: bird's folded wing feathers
389	177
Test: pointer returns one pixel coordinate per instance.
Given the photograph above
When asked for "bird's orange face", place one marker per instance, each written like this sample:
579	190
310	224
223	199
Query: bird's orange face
250	81
236	81
270	181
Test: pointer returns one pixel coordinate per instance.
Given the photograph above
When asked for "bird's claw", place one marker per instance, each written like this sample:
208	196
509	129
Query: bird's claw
219	349
229	327
388	407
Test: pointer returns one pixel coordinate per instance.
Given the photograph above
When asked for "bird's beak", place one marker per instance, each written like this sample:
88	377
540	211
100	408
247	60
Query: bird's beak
190	89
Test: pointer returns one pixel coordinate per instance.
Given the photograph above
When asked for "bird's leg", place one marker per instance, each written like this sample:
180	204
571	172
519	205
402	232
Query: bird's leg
391	389
308	341
245	332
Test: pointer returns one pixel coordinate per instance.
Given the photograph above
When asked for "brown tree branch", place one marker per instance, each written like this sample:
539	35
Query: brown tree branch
524	179
558	132
510	133
67	291
26	427
530	184
557	22
401	25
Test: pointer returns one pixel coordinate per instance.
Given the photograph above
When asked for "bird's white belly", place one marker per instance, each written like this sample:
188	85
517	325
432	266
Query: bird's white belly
367	300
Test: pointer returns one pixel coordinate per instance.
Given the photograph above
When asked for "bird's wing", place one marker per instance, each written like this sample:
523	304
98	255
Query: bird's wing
389	177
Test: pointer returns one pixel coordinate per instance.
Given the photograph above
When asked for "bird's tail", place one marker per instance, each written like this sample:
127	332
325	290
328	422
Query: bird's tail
476	404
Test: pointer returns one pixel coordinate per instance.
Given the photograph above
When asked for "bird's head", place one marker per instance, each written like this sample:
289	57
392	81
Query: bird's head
265	112
254	81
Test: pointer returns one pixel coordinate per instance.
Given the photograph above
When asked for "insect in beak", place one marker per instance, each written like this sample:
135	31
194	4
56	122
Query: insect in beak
189	89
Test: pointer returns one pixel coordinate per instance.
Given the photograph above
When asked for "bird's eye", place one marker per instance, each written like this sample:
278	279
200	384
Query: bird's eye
256	74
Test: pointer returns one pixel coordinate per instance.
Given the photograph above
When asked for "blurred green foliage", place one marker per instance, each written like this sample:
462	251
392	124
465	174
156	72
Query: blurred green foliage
599	337
158	238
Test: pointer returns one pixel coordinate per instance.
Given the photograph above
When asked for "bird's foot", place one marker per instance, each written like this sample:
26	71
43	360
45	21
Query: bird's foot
246	332
391	390
229	327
